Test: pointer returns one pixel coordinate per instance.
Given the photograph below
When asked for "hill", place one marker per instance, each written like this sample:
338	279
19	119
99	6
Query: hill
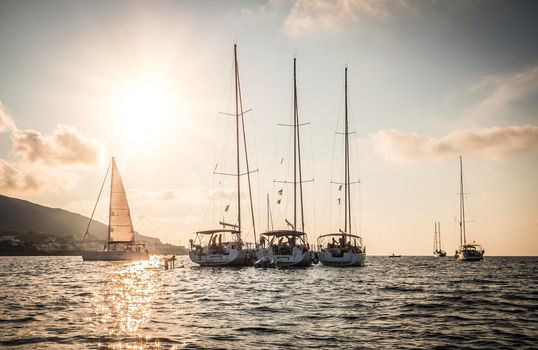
32	222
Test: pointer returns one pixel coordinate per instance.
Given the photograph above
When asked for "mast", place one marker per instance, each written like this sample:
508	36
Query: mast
439	235
462	207
294	145
296	123
112	164
267	211
237	142
238	93
435	238
347	192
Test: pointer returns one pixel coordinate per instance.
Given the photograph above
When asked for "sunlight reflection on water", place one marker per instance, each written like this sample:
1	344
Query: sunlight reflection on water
123	302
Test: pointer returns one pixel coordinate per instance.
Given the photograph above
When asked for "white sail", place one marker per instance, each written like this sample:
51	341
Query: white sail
120	224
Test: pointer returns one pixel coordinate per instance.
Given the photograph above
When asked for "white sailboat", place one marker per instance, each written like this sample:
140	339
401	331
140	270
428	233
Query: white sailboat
120	244
225	246
467	251
343	249
437	250
289	247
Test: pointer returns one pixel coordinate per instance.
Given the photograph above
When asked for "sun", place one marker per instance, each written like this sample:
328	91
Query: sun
145	108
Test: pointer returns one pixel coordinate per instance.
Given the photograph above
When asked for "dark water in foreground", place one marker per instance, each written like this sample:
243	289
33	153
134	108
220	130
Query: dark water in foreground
390	303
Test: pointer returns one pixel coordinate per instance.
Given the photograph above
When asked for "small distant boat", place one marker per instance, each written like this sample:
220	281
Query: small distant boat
120	245
288	247
437	251
343	249
467	251
394	256
225	246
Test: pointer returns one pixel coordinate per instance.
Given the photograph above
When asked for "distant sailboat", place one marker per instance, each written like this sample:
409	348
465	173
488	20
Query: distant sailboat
211	247
467	251
120	244
288	247
437	251
345	249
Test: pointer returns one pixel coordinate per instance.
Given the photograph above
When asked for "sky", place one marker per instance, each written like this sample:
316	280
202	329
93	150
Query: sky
144	81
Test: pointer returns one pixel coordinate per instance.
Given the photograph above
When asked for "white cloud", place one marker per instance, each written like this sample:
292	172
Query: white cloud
502	92
6	123
309	16
14	180
493	143
65	146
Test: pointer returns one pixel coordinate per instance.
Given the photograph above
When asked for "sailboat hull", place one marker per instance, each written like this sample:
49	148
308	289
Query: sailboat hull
439	254
297	259
233	258
466	256
109	255
347	259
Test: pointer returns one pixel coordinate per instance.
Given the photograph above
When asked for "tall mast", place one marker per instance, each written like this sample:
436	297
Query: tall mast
237	141
435	237
298	149
267	212
463	239
294	144
112	164
439	234
347	192
238	92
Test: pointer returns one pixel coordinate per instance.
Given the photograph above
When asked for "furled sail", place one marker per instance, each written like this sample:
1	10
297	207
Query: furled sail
120	224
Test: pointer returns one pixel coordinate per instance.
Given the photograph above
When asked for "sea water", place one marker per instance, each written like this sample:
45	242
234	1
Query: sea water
408	302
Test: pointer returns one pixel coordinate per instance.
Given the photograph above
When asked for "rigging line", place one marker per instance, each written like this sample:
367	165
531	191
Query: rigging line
246	153
95	206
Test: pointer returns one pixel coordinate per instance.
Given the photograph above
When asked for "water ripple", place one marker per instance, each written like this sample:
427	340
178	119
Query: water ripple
411	302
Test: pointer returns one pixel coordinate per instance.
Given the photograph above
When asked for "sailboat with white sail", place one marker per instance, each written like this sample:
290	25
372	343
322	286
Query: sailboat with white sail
120	244
467	251
289	247
437	250
224	246
343	248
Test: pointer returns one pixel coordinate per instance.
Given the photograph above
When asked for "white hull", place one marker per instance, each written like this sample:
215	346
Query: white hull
466	256
110	255
297	259
233	258
439	254
347	259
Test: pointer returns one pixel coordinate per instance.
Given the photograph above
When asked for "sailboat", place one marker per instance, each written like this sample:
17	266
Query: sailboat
343	249
467	251
120	244
224	246
289	247
437	251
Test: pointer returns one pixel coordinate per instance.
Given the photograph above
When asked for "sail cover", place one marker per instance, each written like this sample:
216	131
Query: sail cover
120	224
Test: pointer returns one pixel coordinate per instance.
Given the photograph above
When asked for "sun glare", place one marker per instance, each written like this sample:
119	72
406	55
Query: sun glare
145	109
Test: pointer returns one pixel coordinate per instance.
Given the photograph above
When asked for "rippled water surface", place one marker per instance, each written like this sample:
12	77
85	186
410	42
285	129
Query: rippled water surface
389	303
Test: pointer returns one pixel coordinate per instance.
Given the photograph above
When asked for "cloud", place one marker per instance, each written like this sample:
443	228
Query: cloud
6	123
14	180
65	146
309	16
502	92
494	143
